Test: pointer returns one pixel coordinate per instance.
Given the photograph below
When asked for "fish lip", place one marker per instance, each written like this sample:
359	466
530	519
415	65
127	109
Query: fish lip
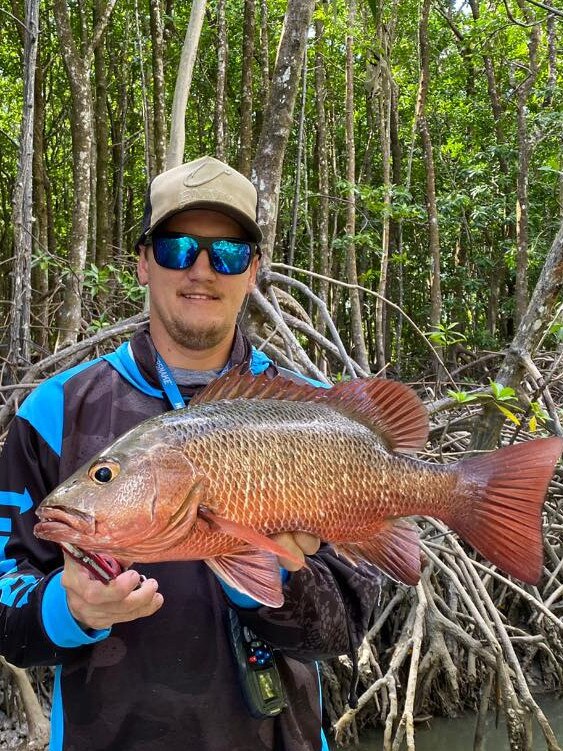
79	521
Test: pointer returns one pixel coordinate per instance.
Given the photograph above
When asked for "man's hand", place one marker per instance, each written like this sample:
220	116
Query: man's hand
299	544
97	605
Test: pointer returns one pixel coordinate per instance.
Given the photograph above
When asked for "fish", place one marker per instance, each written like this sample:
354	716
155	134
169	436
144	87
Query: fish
253	456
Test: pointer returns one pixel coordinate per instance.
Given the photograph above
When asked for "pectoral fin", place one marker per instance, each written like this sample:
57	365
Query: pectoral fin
251	536
254	573
395	550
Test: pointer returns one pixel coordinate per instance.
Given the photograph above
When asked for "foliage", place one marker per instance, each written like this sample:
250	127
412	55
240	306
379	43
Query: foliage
476	158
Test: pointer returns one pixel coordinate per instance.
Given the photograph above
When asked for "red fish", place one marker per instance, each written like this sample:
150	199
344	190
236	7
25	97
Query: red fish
252	456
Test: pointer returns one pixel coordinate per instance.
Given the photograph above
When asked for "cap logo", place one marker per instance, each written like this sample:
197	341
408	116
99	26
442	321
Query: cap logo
205	173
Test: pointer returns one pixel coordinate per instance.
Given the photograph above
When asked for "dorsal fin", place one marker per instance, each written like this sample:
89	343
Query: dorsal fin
240	383
390	409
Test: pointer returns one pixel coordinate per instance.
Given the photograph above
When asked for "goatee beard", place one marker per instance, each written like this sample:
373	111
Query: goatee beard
198	339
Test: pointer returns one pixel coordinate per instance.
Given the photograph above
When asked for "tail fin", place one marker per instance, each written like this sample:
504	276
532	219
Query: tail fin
505	491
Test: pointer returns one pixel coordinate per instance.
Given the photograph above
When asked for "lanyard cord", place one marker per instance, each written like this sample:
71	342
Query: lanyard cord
169	385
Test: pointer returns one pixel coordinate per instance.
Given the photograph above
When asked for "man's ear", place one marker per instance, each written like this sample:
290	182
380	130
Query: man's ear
252	277
143	266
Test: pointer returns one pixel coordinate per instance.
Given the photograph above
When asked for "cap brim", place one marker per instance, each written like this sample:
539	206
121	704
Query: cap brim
254	231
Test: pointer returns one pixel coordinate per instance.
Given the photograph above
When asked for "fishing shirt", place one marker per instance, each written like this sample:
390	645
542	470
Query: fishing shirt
167	682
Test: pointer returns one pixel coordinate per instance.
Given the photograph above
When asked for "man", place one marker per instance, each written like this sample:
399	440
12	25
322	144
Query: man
145	661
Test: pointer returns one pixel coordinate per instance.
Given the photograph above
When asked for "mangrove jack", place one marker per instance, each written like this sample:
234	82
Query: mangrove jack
253	456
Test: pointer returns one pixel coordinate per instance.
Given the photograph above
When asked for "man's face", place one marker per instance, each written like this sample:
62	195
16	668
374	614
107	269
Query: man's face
195	308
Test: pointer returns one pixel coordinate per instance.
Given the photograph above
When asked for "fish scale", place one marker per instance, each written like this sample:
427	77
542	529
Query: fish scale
252	457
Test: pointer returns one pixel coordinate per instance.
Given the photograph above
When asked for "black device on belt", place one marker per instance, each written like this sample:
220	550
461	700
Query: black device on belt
258	675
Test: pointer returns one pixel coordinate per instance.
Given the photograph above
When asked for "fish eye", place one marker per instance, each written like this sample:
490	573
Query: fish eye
104	472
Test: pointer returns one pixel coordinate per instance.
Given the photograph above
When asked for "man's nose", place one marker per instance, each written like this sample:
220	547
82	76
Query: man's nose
202	268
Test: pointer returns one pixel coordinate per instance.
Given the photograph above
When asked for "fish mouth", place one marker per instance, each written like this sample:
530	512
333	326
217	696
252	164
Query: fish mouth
57	518
69	528
62	525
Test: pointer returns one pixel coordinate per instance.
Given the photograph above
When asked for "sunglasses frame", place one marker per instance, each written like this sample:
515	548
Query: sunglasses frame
204	243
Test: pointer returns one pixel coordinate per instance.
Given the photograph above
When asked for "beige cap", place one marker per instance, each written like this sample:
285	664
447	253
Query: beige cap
205	183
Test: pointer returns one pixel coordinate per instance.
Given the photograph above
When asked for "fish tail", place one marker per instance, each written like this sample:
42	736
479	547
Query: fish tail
502	496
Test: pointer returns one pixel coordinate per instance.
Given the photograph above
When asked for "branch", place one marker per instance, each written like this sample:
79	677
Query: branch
265	345
16	19
321	340
300	355
406	724
543	390
374	294
453	27
273	276
66	355
522	592
68	45
9	138
400	653
549	8
100	28
37	723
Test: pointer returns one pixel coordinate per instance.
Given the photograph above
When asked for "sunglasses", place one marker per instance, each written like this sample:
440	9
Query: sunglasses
175	250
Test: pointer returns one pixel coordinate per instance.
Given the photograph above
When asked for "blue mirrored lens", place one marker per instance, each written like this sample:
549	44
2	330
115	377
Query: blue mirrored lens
228	257
181	251
175	252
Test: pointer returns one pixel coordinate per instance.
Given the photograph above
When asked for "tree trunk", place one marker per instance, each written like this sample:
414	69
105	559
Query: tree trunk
537	317
175	154
551	60
20	339
431	207
385	141
264	52
220	120
40	271
268	161
524	89
298	168
359	347
508	229
159	102
150	158
246	94
78	70
103	214
396	226
119	122
323	250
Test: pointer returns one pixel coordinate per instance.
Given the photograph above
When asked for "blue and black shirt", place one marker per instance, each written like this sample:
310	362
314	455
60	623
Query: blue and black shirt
167	682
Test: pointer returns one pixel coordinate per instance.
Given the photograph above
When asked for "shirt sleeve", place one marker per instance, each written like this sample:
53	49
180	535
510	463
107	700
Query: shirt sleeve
36	626
327	610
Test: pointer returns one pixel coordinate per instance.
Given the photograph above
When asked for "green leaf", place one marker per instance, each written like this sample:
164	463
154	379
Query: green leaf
461	397
502	393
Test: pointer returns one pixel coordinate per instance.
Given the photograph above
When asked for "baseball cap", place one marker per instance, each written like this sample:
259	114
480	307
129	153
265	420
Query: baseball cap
205	183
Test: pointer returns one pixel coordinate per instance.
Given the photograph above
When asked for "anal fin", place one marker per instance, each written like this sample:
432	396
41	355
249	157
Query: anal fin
254	573
395	550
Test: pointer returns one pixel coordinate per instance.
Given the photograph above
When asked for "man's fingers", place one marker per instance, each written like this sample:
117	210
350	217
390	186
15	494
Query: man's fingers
309	544
298	544
98	605
140	603
97	592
